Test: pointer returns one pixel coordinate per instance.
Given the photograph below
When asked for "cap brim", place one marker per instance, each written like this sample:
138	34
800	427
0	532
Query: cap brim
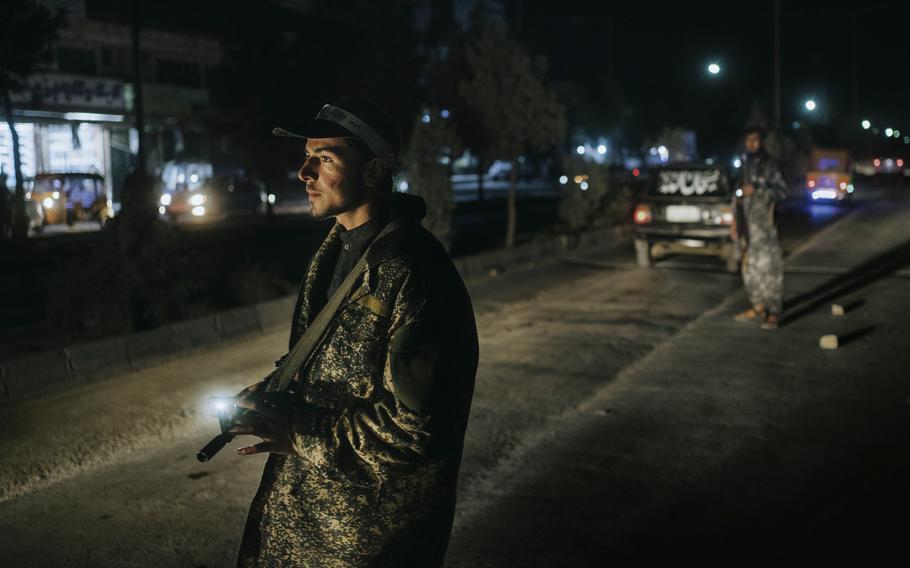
316	129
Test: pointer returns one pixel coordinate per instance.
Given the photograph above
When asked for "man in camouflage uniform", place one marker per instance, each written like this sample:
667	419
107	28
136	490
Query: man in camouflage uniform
363	469
763	186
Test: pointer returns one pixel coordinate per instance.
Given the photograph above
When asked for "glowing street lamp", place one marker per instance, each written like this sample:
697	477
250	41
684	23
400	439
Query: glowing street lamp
810	105
866	125
889	132
713	68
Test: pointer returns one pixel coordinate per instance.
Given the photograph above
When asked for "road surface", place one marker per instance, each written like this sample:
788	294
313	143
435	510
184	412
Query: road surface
620	416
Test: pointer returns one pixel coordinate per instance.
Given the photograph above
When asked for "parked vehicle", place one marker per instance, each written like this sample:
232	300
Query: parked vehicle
830	175
58	198
685	208
217	198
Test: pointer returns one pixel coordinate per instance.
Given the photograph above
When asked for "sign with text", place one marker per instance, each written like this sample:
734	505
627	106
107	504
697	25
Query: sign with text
71	92
689	182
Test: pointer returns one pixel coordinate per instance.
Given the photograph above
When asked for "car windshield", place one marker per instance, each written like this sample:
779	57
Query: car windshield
689	182
77	189
830	164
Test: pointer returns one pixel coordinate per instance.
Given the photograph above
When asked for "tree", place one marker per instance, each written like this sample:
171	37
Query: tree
27	33
507	90
433	144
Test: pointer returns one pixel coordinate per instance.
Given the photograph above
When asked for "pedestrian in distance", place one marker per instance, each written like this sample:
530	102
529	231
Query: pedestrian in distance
364	459
763	187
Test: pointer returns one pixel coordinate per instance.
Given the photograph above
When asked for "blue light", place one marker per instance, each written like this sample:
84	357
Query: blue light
444	113
425	118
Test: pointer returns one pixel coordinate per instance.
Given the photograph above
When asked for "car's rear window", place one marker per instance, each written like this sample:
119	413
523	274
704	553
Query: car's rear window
689	183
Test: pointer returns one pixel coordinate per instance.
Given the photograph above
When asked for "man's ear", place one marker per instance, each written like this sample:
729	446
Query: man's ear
374	172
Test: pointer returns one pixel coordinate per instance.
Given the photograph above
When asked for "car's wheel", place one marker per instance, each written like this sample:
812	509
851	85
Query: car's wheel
643	253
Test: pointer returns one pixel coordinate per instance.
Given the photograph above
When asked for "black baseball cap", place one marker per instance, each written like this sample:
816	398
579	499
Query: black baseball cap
358	118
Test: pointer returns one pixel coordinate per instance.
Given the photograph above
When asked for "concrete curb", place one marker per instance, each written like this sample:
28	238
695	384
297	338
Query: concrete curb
37	374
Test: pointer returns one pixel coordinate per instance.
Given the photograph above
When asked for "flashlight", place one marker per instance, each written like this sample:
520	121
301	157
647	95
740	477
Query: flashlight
221	405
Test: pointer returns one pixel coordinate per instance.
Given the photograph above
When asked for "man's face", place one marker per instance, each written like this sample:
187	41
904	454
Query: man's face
332	173
753	142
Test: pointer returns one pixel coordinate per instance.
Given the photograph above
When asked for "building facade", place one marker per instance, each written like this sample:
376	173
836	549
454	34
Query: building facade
79	113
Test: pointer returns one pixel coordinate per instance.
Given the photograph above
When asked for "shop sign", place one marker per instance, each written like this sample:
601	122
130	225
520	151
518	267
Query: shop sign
57	90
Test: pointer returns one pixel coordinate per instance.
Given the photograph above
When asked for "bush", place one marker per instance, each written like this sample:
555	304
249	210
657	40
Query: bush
252	284
135	278
588	199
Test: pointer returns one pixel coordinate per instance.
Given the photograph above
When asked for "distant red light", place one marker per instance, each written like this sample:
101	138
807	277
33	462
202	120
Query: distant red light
900	163
636	172
811	183
877	162
642	215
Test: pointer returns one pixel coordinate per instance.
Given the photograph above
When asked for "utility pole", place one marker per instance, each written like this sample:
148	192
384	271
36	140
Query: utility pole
137	86
777	113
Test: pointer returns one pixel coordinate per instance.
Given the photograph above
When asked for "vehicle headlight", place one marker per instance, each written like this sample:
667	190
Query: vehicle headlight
271	199
56	195
165	199
48	202
197	200
198	211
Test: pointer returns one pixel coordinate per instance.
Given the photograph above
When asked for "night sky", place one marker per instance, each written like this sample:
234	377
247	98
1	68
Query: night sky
657	52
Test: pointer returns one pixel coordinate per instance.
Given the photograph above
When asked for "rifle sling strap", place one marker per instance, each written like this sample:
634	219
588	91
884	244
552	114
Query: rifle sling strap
303	350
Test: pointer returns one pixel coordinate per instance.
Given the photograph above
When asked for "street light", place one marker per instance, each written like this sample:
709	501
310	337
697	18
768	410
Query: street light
866	125
713	68
889	133
810	105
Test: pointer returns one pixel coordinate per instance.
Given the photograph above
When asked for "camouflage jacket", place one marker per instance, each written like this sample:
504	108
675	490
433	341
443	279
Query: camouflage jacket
764	174
383	409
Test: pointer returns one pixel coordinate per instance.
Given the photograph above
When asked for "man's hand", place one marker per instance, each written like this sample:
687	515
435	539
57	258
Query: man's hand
252	389
748	190
267	422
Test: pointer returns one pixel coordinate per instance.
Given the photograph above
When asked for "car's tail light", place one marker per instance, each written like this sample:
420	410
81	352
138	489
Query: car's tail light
642	215
811	183
900	163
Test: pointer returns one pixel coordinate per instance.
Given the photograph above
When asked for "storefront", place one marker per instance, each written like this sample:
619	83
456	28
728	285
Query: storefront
70	123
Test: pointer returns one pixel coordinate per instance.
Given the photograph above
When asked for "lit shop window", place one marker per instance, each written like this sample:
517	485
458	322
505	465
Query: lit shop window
26	133
75	148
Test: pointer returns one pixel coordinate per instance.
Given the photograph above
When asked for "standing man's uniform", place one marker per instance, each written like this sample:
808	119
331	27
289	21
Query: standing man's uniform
385	403
763	262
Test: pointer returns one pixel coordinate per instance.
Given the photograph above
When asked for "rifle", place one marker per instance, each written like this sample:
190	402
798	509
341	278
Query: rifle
278	393
228	413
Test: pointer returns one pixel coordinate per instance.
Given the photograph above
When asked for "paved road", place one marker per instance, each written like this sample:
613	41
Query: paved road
619	414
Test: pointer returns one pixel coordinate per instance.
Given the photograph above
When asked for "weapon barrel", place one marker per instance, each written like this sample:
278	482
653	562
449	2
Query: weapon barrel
213	447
